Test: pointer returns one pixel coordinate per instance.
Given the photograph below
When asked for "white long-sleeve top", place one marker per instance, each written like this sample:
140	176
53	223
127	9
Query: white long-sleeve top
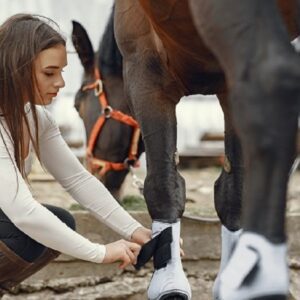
34	219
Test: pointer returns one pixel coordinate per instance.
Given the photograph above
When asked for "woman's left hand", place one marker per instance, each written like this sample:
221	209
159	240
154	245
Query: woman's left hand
141	235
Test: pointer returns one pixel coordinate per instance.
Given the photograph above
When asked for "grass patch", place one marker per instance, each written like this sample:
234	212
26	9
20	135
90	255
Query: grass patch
134	203
76	206
129	202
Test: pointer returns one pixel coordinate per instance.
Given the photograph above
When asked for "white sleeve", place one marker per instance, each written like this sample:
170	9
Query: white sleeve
33	218
59	160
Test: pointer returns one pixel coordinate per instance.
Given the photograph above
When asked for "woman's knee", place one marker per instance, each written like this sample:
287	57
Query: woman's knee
63	215
21	244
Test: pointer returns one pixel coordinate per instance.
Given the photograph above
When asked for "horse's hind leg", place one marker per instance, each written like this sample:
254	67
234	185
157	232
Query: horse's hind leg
228	187
263	76
228	192
153	95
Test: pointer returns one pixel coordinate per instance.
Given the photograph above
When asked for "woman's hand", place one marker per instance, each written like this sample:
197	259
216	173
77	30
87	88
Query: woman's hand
141	235
123	251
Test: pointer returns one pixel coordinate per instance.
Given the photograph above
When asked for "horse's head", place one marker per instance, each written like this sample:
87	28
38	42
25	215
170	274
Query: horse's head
111	146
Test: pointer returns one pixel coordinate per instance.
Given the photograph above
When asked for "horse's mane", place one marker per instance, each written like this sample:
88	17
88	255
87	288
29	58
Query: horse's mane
109	56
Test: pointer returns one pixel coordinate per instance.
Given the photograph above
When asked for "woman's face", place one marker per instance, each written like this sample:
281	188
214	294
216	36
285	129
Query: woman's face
48	67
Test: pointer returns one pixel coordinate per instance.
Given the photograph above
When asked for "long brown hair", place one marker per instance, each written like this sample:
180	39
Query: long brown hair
22	38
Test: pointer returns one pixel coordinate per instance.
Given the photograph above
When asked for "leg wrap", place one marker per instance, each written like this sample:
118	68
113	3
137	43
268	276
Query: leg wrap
257	269
229	240
168	278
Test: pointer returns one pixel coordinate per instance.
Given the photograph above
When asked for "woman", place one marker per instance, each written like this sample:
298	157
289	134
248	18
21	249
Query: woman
32	58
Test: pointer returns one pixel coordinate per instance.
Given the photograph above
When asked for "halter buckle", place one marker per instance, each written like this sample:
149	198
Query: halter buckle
98	87
107	111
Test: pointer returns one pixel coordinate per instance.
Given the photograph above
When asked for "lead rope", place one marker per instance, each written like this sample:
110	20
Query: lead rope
137	182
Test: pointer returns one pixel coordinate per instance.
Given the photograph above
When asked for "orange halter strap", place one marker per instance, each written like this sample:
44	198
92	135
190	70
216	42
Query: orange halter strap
99	165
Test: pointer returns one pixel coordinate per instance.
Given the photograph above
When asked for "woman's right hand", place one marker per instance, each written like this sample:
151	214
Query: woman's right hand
123	251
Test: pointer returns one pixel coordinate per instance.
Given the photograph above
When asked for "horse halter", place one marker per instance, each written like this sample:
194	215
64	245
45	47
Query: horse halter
99	165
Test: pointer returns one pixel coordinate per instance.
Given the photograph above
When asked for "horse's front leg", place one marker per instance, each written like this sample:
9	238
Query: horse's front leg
263	76
153	95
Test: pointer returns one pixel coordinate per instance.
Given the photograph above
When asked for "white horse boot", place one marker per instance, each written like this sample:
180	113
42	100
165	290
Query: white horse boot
257	270
169	280
228	241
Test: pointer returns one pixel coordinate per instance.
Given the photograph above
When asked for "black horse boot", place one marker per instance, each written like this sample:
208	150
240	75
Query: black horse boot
14	269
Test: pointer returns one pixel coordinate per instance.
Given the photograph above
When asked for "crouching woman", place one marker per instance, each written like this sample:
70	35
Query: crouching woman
32	58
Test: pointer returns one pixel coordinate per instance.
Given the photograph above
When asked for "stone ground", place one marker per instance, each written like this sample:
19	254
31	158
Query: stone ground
130	285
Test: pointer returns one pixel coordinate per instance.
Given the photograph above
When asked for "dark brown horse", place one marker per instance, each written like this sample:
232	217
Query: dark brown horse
110	148
241	51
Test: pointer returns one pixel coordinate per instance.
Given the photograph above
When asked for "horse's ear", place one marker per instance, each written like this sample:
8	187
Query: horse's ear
83	46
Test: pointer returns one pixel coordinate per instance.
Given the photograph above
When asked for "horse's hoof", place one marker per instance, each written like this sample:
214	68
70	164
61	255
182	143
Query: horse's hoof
271	297
174	296
169	283
257	270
